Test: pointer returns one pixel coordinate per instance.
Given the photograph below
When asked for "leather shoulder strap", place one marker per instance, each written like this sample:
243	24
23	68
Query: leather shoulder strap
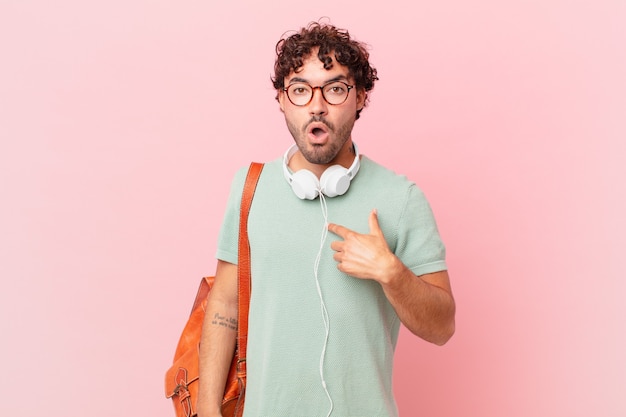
243	270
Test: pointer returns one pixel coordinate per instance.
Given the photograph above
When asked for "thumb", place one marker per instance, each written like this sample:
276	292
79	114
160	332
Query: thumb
373	222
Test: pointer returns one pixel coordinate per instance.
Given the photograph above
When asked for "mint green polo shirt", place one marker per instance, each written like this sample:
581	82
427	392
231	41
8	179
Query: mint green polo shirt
286	329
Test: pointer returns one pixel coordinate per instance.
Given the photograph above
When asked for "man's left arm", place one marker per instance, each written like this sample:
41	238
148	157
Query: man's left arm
424	304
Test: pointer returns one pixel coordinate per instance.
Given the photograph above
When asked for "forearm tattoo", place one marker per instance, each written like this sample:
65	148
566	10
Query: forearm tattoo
230	323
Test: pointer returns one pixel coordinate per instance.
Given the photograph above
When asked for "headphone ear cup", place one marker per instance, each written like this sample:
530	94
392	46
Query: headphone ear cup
305	184
335	181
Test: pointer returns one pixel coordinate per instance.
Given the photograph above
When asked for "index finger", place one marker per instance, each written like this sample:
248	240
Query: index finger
339	230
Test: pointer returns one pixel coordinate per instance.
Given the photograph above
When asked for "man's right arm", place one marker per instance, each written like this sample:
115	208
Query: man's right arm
218	340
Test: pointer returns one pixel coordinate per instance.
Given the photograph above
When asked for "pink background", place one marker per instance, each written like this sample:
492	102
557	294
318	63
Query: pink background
122	122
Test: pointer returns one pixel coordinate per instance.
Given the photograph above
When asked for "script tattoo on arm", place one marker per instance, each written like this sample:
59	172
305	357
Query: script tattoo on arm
230	323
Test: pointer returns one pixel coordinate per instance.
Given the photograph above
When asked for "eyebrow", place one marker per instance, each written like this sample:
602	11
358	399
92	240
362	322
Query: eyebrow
303	80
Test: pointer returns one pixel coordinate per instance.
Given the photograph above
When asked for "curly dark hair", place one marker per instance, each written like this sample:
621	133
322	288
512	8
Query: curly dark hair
293	50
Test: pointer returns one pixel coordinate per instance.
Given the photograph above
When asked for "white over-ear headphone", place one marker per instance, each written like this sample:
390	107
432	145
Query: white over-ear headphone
334	181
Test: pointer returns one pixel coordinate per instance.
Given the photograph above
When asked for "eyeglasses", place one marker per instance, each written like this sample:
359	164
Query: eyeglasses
334	93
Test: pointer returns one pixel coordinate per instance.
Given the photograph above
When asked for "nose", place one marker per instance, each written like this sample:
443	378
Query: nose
318	105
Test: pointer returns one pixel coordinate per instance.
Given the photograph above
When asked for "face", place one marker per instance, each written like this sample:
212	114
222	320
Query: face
322	131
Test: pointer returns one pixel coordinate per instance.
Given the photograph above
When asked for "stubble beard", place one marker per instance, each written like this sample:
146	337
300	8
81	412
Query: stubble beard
321	154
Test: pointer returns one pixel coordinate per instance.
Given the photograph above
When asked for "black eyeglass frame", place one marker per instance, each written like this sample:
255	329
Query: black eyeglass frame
321	88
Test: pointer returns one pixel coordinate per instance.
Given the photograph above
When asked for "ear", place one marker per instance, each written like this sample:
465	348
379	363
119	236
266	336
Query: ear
361	95
280	96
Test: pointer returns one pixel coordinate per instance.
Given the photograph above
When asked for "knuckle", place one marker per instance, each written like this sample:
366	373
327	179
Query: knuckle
351	235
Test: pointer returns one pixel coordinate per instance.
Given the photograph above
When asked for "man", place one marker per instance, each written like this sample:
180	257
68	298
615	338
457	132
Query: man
325	307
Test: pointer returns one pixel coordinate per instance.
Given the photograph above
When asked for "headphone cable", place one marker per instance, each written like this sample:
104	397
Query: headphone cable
325	317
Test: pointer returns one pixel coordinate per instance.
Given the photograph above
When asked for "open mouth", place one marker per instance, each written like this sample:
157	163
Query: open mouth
317	132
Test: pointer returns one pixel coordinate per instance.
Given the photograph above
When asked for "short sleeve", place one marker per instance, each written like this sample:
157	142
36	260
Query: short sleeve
419	245
227	244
